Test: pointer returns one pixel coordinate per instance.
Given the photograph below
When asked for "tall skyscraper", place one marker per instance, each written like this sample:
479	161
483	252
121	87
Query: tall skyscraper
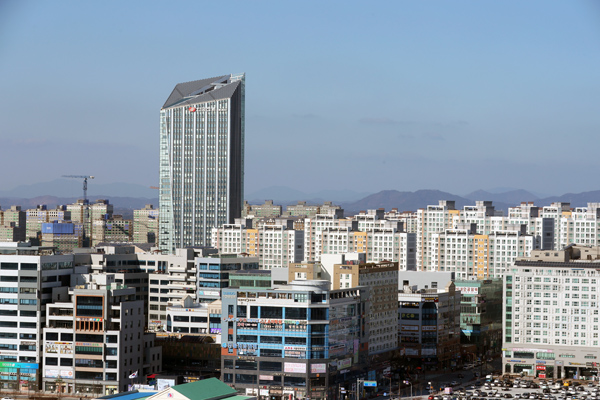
201	160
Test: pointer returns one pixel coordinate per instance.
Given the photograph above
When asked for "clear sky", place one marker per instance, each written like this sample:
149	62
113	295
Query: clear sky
359	95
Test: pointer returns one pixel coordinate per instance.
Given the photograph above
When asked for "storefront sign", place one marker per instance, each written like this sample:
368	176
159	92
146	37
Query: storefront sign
294	368
467	289
318	368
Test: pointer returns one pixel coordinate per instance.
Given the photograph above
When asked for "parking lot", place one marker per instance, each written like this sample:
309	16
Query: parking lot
495	388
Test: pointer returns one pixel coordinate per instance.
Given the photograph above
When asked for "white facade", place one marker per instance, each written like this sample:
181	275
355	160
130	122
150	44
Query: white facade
94	342
275	244
28	282
279	245
552	315
433	219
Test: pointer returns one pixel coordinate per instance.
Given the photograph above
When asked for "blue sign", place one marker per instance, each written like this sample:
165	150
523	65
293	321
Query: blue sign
370	383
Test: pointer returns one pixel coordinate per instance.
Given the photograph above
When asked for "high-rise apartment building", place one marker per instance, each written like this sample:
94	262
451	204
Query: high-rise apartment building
37	216
201	160
145	224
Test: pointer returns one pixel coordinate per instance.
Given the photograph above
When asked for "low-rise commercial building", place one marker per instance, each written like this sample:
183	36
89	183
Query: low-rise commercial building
429	319
481	314
299	340
94	341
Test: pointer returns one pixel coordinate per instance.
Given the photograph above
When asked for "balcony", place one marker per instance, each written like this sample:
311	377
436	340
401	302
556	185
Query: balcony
61	312
60	324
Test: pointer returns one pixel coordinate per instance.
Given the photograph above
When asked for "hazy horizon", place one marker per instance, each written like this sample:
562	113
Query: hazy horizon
356	96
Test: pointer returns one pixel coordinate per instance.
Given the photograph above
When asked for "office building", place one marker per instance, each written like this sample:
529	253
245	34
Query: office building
429	319
201	160
30	277
94	339
299	340
481	313
213	273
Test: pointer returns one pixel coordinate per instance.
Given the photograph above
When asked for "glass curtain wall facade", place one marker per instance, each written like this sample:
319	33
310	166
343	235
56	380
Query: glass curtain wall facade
201	160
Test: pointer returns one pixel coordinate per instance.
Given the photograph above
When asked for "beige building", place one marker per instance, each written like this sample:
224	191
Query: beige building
116	229
145	225
86	213
310	211
12	224
39	215
263	210
381	298
65	236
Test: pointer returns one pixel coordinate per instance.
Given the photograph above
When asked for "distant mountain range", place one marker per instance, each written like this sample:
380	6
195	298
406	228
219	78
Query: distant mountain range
127	197
74	187
412	201
285	195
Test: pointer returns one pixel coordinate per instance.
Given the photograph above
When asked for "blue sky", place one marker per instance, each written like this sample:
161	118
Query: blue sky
362	96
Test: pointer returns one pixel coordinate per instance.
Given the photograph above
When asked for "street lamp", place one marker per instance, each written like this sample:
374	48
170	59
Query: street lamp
409	383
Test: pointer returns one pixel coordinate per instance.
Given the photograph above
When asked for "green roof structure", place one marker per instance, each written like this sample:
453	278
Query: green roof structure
207	389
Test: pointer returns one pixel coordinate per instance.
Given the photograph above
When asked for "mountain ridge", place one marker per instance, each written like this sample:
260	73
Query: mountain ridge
387	199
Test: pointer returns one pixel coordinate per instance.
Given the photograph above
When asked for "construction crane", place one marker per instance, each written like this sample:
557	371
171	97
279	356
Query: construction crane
85	179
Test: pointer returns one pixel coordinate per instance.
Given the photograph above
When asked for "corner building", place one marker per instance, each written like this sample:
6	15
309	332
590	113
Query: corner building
300	340
201	160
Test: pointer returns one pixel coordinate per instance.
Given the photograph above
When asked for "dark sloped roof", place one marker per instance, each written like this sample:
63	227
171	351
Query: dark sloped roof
185	89
224	92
